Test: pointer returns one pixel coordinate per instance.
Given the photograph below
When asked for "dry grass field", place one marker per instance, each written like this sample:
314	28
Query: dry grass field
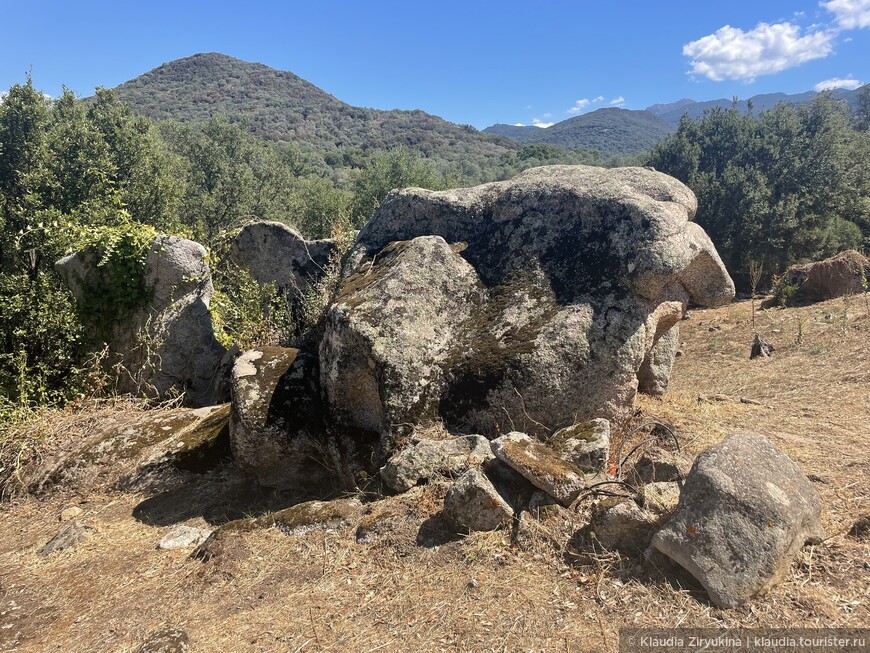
417	588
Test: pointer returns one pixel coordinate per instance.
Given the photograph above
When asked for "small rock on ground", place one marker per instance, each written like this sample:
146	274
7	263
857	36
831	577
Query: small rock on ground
424	458
541	466
69	536
473	504
184	537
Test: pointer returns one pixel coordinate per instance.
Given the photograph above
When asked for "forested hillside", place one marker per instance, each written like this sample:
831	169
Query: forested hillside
282	107
609	131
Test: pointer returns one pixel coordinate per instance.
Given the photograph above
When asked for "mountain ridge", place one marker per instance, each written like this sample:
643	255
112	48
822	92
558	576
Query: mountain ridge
281	106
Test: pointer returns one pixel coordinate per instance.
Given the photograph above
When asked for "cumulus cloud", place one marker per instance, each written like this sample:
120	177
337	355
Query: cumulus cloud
537	122
583	103
617	101
519	124
731	53
836	82
849	14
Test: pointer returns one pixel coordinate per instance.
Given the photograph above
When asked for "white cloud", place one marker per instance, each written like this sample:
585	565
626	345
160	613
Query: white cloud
540	123
581	104
731	53
519	124
617	101
850	14
836	82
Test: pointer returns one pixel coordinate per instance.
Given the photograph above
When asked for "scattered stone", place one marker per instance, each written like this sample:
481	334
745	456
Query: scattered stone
745	511
184	537
541	466
751	402
424	458
585	444
714	398
715	327
861	528
662	497
761	348
657	464
473	504
183	355
70	512
295	520
70	535
166	640
274	252
624	527
543	506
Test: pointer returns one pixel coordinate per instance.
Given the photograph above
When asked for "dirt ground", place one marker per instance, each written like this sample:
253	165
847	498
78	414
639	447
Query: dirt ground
419	588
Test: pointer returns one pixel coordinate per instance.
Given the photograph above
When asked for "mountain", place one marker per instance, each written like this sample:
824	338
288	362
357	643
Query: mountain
671	113
611	131
280	106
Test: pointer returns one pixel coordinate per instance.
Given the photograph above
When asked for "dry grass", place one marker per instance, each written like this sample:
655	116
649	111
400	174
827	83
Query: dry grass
323	591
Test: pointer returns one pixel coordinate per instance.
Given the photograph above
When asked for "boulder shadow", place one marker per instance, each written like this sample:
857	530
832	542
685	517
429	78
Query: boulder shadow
218	496
436	531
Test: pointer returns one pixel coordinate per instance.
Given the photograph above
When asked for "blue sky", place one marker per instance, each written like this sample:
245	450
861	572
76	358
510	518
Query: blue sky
470	62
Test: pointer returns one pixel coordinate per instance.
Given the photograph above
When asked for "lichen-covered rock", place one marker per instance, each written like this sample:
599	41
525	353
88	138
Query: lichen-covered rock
585	444
745	511
295	520
135	452
274	252
586	270
276	429
473	504
424	458
389	336
541	466
166	343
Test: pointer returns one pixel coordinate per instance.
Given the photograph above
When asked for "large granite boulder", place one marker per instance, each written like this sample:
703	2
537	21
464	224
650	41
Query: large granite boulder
744	512
166	341
277	427
274	252
390	335
523	305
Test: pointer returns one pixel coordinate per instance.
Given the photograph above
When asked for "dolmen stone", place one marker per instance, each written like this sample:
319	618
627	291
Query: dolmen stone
526	305
276	424
744	512
274	252
166	343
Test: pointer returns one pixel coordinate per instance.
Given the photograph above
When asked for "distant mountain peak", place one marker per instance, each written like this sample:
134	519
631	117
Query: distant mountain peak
281	106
